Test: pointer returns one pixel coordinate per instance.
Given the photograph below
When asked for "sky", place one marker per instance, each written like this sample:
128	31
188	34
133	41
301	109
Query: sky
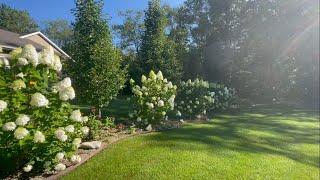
42	10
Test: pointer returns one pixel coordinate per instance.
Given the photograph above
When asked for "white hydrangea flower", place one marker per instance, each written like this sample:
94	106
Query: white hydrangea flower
61	135
29	52
76	142
163	113
56	64
143	78
69	128
39	100
165	80
160	103
76	116
20	75
152	75
179	113
150	105
9	126
18	84
75	159
67	94
85	119
139	119
85	130
46	56
22	120
20	133
39	137
60	167
160	76
22	62
3	105
169	85
27	168
65	83
59	156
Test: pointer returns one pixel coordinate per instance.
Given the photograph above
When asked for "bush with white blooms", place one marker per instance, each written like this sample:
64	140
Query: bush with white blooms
153	99
223	95
194	98
38	129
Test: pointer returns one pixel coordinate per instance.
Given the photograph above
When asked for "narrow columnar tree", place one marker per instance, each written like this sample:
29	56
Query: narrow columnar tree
157	51
96	69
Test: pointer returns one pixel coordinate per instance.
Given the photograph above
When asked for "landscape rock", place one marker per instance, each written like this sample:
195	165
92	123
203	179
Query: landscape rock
149	128
90	145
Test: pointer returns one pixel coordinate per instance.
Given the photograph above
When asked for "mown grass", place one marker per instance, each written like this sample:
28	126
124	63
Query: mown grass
259	143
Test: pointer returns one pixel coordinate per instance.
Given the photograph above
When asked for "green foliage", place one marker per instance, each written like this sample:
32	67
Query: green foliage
36	119
153	100
59	31
96	70
16	21
157	52
194	98
96	128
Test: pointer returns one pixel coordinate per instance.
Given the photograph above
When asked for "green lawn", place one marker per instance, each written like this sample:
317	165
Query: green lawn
260	143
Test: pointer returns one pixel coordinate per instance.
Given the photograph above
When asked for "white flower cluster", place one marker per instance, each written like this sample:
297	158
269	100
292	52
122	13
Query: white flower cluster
3	105
222	94
20	133
75	159
194	98
39	100
39	137
154	98
29	53
22	120
77	117
61	135
46	57
66	91
18	85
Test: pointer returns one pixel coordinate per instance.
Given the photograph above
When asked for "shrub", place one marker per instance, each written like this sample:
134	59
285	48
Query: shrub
153	100
194	98
38	128
223	96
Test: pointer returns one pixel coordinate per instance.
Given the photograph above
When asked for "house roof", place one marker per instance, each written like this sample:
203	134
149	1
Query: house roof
13	40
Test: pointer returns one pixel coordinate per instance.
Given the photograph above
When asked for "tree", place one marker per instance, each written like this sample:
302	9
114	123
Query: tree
16	21
157	52
130	31
97	63
59	31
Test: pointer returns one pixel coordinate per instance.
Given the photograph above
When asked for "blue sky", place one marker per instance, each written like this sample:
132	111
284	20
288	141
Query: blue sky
42	10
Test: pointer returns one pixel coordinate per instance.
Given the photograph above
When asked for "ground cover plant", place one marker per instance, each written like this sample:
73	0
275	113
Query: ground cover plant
255	143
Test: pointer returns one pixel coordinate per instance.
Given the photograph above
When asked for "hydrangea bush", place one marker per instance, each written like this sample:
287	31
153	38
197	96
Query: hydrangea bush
153	99
38	128
194	98
223	96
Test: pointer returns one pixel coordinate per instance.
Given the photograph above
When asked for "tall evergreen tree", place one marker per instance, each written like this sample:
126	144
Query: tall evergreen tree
157	52
96	70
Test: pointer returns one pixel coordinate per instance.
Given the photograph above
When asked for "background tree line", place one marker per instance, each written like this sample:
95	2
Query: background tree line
267	50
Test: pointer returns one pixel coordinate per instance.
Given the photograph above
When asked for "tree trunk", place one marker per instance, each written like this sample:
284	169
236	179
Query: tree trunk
99	113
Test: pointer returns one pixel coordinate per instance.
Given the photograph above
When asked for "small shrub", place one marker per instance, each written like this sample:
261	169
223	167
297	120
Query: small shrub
153	100
194	98
38	128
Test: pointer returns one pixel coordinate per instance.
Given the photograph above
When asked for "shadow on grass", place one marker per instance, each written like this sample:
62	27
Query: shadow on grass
265	131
